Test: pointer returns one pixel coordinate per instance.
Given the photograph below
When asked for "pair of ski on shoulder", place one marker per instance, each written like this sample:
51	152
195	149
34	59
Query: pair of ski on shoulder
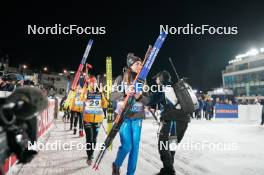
125	106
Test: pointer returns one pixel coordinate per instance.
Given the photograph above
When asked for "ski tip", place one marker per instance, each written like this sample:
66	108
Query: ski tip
95	167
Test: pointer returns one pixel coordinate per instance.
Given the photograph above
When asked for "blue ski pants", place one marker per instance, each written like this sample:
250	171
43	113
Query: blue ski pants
130	132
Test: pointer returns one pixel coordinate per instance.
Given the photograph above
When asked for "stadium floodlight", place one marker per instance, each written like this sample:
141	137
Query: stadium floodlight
252	52
240	56
261	49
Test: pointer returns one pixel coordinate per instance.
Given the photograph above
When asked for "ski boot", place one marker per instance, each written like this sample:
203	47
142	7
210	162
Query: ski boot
74	131
89	162
116	170
167	171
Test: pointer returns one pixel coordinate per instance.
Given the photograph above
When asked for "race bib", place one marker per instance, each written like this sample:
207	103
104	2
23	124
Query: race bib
93	101
78	102
137	107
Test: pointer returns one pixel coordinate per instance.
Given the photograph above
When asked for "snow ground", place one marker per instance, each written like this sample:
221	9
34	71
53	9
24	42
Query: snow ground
246	140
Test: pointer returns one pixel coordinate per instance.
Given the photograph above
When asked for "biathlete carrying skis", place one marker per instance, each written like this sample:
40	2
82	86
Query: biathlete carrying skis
93	115
130	131
65	110
76	108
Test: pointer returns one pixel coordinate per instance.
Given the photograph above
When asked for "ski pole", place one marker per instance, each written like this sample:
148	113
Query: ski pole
104	128
152	113
174	69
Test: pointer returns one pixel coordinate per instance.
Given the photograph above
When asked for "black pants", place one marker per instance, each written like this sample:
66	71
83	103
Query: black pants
91	132
66	115
105	114
166	155
208	115
198	114
75	117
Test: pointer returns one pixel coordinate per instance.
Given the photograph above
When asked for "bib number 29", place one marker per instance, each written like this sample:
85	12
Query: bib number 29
94	103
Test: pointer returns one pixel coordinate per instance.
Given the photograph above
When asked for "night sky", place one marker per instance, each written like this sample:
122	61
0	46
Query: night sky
131	27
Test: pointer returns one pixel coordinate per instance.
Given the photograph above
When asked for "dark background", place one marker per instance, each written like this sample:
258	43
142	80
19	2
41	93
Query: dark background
130	27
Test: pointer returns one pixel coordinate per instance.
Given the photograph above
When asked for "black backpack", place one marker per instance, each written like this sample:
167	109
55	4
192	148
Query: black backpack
186	97
184	93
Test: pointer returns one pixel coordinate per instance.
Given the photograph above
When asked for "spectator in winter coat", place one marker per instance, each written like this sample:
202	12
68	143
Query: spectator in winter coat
201	106
209	109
